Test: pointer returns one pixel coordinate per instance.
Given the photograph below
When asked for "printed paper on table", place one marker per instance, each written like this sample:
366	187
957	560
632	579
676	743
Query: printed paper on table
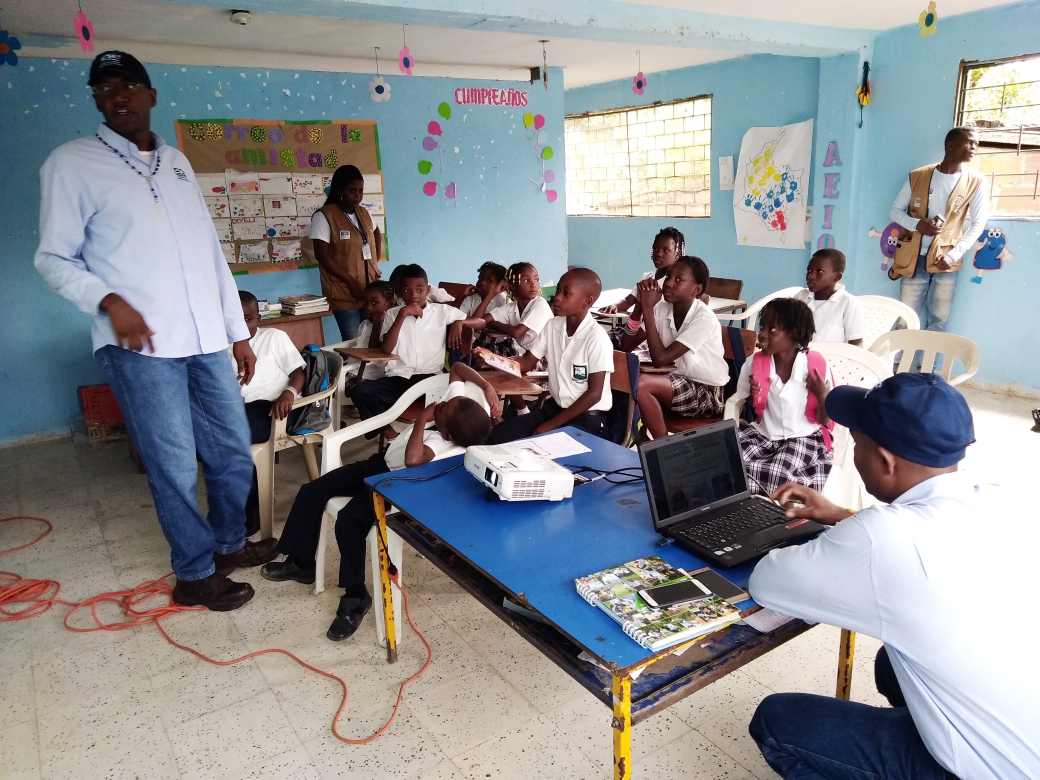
772	179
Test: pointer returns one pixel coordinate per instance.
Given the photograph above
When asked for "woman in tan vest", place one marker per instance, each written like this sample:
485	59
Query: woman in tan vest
347	249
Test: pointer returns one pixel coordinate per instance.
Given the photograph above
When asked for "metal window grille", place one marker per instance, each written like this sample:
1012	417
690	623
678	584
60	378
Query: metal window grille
649	161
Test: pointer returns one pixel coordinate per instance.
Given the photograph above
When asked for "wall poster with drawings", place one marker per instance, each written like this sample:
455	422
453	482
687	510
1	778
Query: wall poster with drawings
262	180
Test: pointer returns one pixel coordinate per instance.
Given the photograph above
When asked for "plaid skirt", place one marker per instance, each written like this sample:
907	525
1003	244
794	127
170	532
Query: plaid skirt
770	464
692	399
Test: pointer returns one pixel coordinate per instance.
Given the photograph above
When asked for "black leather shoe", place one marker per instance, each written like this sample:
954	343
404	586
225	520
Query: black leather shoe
252	554
281	571
348	617
214	592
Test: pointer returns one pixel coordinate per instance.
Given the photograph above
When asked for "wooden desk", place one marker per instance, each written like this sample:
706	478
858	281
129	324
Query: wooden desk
303	329
505	383
726	305
366	356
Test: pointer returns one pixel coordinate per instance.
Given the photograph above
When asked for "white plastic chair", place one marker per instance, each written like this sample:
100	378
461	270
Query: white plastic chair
331	458
263	453
931	343
341	399
882	313
753	310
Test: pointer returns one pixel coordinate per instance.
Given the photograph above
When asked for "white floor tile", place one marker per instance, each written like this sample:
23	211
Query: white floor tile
729	731
451	658
784	660
705	704
445	770
16	693
150	757
691	757
190	691
294	765
18	746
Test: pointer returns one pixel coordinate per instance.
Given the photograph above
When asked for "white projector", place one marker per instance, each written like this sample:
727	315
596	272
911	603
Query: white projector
518	475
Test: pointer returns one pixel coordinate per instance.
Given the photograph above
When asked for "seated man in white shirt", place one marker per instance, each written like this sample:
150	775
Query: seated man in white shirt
837	313
928	573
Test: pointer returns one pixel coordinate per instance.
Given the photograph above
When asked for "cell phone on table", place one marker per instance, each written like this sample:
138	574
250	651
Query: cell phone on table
703	584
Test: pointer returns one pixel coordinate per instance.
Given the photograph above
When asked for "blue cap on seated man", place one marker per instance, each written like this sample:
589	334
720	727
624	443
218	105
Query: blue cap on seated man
918	417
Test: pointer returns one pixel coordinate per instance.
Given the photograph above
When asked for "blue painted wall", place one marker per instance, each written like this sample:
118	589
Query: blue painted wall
501	215
915	91
760	90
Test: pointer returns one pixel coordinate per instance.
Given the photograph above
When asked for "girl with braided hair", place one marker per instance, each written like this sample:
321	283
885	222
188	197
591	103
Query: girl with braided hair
669	246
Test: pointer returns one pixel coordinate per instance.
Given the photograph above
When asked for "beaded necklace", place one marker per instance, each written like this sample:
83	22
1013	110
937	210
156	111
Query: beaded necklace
146	176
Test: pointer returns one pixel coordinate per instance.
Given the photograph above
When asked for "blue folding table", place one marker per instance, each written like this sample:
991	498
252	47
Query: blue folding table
530	553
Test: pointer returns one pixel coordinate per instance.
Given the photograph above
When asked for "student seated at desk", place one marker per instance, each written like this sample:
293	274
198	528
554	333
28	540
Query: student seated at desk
417	333
277	383
379	298
838	314
669	246
456	420
491	287
942	572
678	328
578	357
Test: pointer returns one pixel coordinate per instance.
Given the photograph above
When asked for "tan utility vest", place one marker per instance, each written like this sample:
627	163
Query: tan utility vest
953	228
346	253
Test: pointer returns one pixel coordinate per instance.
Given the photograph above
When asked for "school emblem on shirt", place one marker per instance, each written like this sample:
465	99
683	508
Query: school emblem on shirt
181	174
581	373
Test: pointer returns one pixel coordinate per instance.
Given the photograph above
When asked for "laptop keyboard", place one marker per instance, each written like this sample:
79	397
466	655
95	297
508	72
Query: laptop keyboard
719	534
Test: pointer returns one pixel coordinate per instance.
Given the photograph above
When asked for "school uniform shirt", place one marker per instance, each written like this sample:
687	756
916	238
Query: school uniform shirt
276	358
471	302
363	339
643	278
784	415
701	332
534	316
839	318
927	576
422	340
101	232
573	359
432	438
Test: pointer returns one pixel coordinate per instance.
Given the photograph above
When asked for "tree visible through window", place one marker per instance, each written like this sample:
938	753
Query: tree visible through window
652	161
1001	99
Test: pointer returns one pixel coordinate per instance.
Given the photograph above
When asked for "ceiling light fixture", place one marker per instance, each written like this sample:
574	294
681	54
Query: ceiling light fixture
241	18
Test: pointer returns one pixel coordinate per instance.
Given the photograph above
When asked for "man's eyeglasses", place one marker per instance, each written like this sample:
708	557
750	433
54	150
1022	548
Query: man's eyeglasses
133	87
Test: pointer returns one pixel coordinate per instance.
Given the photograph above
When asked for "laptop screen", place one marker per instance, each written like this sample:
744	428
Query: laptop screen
688	473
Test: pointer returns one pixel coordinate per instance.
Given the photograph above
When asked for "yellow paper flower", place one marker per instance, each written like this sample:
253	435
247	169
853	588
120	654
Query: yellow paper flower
927	21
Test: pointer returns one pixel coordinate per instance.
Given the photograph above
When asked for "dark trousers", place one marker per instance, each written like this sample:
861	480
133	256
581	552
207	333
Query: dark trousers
820	738
523	425
303	526
258	415
375	396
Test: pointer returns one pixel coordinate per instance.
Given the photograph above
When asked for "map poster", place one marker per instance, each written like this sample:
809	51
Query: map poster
771	187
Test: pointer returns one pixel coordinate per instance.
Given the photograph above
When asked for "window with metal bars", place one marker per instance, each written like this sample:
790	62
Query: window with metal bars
650	161
1001	100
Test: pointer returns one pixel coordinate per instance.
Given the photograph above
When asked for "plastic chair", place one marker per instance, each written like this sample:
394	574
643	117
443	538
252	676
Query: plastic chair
748	317
883	313
341	399
331	458
264	453
931	343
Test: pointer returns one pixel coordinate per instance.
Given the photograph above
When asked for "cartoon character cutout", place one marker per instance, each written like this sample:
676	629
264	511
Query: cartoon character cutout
889	242
990	253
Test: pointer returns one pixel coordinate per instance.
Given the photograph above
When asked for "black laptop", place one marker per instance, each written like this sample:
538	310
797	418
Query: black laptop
699	496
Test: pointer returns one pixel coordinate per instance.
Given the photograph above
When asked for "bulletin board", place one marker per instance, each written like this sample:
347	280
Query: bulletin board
262	181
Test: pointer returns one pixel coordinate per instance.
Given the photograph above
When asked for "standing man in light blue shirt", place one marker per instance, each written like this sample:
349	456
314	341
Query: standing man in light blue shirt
125	235
941	573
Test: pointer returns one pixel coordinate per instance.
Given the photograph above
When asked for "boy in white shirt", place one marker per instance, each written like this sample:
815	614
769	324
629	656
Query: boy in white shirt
490	281
417	333
379	298
456	420
578	355
277	383
838	314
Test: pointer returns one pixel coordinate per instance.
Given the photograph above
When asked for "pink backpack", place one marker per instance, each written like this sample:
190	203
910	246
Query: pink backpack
760	370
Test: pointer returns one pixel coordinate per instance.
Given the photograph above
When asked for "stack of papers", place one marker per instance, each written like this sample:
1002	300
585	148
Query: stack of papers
304	304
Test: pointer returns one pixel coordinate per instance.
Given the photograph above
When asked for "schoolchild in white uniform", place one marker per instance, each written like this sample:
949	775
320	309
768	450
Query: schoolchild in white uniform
669	245
379	299
838	314
679	328
930	570
491	284
578	356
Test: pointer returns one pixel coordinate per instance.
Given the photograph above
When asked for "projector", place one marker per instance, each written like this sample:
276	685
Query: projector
518	475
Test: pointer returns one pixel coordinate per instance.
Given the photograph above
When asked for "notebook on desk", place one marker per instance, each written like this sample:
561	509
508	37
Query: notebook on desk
697	486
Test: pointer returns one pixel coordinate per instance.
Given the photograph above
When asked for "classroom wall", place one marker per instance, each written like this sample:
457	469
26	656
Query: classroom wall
45	349
760	90
915	90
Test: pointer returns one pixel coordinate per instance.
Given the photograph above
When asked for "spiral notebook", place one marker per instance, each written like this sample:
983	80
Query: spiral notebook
615	591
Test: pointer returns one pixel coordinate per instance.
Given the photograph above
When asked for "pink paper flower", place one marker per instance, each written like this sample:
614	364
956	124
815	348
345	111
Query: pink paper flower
638	83
84	31
405	61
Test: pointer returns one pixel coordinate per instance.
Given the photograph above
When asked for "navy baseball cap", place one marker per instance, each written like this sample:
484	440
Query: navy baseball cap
918	417
118	63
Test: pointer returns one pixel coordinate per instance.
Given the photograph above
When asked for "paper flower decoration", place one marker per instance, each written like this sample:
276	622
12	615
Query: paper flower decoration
927	20
405	61
638	83
84	31
8	47
380	89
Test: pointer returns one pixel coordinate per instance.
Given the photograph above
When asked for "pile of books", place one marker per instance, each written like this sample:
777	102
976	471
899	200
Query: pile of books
303	304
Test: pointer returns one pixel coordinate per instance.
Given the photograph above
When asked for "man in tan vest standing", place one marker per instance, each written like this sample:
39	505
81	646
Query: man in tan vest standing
942	209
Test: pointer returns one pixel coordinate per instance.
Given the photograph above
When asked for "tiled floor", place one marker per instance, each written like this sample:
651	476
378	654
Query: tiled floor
128	705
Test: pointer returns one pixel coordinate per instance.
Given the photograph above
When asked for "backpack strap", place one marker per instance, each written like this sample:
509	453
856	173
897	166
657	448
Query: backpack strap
816	362
761	365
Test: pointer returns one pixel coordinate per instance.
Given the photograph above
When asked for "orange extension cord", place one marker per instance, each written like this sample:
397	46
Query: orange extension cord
41	595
